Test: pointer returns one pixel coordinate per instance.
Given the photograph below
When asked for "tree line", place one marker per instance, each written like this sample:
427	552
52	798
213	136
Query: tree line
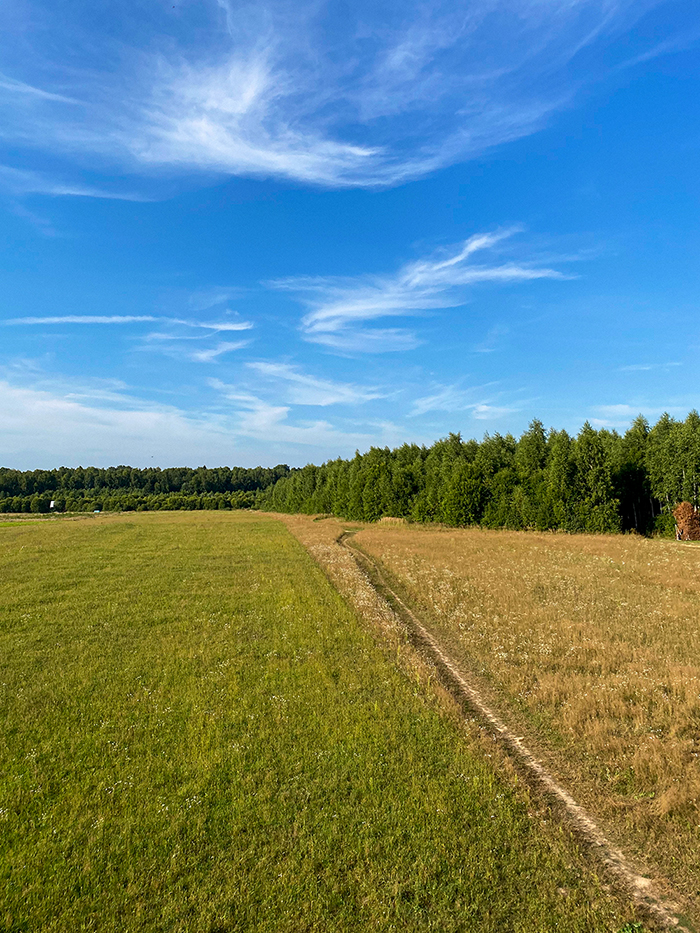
111	502
596	481
125	488
152	480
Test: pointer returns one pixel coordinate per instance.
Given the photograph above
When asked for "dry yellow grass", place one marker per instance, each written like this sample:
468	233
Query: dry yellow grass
592	645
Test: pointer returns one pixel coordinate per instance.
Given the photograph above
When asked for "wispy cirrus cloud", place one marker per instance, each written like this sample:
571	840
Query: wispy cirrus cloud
19	87
262	419
81	319
455	398
363	96
218	326
20	182
211	354
175	339
86	319
300	388
264	408
340	308
485	412
647	367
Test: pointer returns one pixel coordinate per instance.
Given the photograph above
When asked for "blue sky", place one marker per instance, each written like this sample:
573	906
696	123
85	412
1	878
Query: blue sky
277	232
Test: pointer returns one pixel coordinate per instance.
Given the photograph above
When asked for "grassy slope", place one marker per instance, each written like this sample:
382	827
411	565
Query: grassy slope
199	736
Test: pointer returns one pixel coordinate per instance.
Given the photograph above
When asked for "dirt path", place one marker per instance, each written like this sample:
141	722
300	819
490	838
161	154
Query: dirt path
360	579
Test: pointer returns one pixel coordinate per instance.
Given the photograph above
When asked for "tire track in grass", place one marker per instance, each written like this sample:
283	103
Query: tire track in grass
651	905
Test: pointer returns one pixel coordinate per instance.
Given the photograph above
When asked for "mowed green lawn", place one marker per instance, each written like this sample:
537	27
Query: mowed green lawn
198	735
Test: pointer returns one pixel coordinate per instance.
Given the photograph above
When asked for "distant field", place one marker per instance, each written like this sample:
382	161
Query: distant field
198	735
593	645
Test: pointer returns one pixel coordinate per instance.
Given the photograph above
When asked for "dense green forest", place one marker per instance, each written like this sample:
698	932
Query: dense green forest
599	481
124	488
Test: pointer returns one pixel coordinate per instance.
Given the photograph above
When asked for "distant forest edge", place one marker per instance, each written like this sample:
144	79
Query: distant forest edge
598	481
127	489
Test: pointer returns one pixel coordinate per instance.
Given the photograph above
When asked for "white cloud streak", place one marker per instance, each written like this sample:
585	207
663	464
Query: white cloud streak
310	92
484	412
20	182
18	87
647	367
169	341
213	353
82	319
301	389
214	326
261	420
176	343
218	325
454	398
337	306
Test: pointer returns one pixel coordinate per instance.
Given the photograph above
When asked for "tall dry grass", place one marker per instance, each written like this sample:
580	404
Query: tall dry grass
592	644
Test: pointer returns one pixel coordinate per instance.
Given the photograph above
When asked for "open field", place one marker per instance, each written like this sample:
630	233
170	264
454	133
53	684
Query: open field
591	647
199	735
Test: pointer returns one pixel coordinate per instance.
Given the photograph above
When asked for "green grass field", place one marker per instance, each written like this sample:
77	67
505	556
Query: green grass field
198	735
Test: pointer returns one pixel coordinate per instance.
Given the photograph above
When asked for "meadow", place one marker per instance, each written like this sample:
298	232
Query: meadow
199	734
590	646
